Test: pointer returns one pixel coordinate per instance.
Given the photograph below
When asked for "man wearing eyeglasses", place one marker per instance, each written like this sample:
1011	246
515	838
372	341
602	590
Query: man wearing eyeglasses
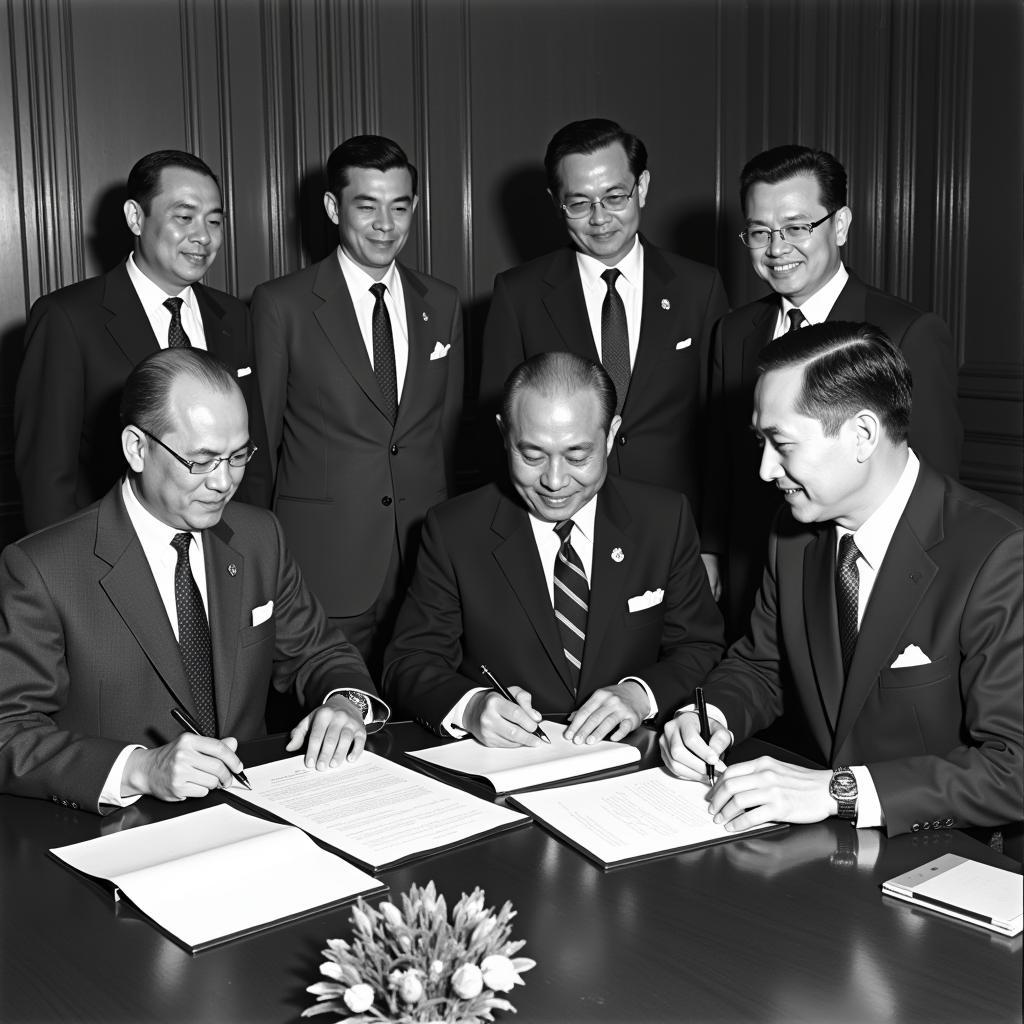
645	314
163	598
797	221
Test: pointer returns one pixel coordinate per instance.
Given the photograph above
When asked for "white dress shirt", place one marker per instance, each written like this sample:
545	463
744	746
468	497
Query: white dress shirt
153	297
629	285
815	309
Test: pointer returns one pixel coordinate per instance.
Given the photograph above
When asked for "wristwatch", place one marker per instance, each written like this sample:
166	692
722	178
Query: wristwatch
361	702
843	789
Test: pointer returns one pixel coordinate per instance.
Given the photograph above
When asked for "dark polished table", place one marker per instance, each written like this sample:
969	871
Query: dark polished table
785	928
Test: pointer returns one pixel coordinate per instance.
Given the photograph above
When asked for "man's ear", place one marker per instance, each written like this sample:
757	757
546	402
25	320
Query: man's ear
613	429
867	433
134	217
842	219
133	444
331	206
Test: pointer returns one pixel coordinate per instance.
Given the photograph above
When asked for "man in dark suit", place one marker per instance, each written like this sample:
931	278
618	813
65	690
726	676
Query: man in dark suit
581	594
104	627
898	656
82	341
649	322
363	363
794	202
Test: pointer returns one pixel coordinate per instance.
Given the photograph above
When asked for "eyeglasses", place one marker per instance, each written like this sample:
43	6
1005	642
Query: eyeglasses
794	234
201	467
614	202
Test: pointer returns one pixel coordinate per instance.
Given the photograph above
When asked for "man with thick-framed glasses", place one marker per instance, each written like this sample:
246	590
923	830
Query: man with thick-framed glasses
645	314
796	223
163	598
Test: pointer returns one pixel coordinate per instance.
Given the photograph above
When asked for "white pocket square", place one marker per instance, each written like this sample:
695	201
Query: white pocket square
648	599
243	371
262	613
684	344
440	351
912	655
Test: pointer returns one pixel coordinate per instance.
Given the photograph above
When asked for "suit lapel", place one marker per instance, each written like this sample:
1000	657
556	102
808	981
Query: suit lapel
215	328
224	596
850	303
129	326
566	306
823	630
762	328
419	318
518	559
655	327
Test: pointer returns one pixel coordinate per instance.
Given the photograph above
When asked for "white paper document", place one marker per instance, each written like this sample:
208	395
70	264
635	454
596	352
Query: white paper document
509	769
217	873
633	817
374	811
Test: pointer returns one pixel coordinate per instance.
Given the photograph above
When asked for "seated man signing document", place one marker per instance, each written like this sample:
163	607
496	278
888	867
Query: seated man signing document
165	598
888	629
581	594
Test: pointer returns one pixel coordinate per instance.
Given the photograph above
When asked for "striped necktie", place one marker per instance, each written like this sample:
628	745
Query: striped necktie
572	601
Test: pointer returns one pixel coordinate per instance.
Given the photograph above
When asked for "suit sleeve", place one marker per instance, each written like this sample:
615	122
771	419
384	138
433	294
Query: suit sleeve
451	416
503	348
936	433
980	782
37	757
271	349
49	411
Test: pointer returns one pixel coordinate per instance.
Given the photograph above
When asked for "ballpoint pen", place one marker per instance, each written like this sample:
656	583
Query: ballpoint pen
183	718
705	727
508	696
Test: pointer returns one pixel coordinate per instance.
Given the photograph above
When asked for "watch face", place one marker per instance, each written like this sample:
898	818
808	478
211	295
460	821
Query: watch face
843	785
360	702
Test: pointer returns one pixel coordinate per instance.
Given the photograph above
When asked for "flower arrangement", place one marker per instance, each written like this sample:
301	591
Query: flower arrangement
416	965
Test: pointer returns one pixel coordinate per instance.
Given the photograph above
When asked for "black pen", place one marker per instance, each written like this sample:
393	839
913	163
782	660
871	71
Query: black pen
508	696
183	718
705	727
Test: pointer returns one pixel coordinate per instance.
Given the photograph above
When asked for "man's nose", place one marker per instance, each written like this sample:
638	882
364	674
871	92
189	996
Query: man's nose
770	469
777	244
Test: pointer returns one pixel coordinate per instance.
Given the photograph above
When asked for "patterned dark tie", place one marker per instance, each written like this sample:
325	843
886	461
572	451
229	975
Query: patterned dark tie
572	601
384	351
194	637
615	339
847	593
176	336
796	320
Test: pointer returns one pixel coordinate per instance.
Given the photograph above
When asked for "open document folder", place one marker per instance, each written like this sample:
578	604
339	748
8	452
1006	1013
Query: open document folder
218	874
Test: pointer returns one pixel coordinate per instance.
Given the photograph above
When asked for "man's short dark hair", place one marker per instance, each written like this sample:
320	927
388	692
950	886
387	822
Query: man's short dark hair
144	177
145	398
588	137
847	367
783	162
371	151
560	373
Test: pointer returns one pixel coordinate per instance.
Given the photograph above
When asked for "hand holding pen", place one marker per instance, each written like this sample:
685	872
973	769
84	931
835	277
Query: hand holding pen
705	727
184	719
493	680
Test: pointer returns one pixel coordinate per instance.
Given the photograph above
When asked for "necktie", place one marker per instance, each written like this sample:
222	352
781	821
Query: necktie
194	637
615	339
847	592
176	336
384	351
572	601
796	320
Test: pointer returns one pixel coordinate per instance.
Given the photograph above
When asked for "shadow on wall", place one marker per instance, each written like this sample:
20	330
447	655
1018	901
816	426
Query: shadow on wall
317	235
529	217
109	239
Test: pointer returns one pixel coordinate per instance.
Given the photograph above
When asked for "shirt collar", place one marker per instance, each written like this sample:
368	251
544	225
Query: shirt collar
151	295
817	308
358	280
630	266
153	534
583	521
875	534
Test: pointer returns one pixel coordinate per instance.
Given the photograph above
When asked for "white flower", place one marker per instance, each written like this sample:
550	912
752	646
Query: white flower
499	973
467	981
411	988
437	969
359	998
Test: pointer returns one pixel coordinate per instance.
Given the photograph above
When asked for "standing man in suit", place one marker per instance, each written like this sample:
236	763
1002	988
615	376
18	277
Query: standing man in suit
644	313
82	341
581	594
794	202
162	595
889	626
363	363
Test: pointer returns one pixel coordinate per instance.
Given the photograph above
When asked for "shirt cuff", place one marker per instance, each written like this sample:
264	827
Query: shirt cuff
646	689
869	807
378	711
452	722
110	795
713	712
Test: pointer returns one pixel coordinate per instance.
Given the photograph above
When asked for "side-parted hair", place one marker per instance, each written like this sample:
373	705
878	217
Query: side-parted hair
145	399
373	151
783	162
144	177
588	137
560	373
847	367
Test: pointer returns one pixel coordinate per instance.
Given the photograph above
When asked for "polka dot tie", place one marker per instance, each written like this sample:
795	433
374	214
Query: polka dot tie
176	336
384	351
615	338
847	594
194	637
572	601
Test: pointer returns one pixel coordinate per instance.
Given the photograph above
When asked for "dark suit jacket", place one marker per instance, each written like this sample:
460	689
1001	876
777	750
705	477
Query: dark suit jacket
88	659
480	597
944	742
347	480
739	507
539	307
81	343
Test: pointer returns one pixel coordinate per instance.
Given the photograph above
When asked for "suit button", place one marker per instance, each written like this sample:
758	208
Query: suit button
394	449
926	824
915	827
386	500
937	823
949	823
623	439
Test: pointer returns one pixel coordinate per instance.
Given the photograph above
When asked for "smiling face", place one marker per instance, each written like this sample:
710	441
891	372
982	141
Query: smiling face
374	215
177	241
796	271
604	235
557	451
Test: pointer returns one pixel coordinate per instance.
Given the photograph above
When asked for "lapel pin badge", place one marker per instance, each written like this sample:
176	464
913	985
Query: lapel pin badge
617	555
232	569
665	304
425	318
914	577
